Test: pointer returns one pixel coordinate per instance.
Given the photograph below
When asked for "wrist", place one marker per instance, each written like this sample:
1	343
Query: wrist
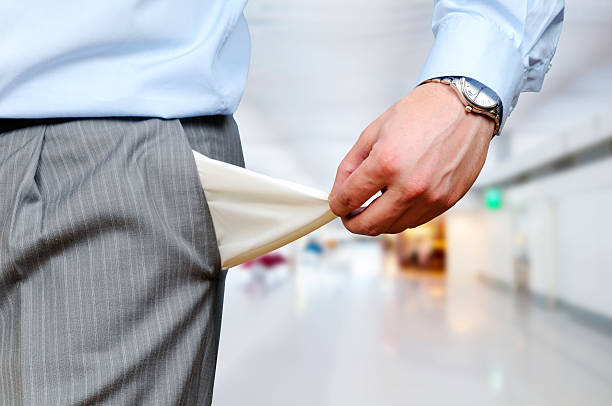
475	97
451	107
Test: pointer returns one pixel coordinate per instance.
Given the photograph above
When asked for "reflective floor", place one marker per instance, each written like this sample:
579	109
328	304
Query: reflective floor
348	328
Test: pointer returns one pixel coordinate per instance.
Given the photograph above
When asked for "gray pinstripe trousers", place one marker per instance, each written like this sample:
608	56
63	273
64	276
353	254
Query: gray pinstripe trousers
110	283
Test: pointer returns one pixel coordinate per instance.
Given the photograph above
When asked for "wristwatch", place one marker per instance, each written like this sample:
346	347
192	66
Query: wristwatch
476	97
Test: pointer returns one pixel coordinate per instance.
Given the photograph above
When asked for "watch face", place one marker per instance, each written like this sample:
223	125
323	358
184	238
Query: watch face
479	94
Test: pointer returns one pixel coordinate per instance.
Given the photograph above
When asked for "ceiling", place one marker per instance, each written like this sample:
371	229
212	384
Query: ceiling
322	70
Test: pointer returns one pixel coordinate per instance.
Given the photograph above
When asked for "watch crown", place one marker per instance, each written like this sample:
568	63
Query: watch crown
469	108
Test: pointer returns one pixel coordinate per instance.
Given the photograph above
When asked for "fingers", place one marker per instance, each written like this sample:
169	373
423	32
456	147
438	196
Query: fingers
358	187
414	219
378	217
389	214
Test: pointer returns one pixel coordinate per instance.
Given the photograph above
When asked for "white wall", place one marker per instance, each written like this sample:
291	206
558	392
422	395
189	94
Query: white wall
541	229
499	246
562	223
465	236
585	250
477	243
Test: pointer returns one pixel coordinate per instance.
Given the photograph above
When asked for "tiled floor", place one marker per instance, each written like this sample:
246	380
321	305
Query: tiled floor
348	330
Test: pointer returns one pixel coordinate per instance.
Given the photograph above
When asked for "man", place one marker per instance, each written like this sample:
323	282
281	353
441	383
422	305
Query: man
110	283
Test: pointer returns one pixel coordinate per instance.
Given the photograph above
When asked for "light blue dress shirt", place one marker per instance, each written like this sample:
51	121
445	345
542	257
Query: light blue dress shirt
163	58
506	45
180	58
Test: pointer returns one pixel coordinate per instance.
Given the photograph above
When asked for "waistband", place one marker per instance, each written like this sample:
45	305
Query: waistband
11	124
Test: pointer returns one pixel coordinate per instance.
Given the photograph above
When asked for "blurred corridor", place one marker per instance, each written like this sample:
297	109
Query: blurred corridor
350	328
522	314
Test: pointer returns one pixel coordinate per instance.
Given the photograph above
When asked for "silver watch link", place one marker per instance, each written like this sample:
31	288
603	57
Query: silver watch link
476	97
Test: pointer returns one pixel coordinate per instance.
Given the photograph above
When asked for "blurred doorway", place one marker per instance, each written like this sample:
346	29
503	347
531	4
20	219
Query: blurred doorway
421	249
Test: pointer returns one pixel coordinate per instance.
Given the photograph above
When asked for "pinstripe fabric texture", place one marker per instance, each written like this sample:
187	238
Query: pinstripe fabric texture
110	283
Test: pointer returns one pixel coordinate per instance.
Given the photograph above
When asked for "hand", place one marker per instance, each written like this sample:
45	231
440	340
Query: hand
424	153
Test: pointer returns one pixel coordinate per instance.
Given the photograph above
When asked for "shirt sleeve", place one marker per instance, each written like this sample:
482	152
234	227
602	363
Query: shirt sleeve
506	45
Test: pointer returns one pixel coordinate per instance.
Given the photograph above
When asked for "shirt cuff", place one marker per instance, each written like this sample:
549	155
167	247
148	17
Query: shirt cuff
471	46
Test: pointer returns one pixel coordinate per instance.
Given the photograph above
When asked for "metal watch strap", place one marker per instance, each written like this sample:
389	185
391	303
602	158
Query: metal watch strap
493	113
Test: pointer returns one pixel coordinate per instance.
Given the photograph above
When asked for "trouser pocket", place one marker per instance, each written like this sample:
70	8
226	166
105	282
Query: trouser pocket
216	137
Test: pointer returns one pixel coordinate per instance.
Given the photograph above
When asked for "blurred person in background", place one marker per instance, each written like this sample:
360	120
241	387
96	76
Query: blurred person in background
111	290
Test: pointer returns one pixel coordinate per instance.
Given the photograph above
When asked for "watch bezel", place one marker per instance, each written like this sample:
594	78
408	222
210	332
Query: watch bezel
458	84
465	82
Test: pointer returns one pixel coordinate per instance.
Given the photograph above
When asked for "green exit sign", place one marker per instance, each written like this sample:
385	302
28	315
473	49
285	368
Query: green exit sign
493	198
